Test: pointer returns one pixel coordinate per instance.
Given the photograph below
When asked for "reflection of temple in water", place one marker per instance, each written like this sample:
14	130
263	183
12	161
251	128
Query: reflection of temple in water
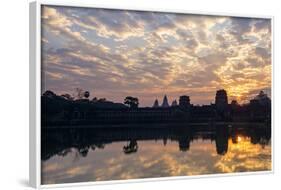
62	141
221	140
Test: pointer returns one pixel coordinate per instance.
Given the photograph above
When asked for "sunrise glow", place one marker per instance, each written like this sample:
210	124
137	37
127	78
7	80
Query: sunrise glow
114	53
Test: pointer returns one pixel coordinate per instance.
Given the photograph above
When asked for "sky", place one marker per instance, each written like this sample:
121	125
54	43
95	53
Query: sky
118	53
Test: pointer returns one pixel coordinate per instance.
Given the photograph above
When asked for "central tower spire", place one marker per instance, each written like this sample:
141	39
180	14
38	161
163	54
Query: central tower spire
165	103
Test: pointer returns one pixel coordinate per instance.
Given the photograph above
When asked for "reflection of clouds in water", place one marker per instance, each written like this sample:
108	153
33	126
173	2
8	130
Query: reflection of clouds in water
245	156
65	169
155	160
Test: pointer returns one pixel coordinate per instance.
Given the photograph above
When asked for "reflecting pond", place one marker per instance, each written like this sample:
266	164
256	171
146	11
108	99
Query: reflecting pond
87	154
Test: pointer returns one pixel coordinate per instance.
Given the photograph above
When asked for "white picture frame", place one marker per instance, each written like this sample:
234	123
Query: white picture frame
35	92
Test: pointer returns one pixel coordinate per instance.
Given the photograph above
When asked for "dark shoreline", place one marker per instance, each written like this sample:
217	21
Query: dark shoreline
164	125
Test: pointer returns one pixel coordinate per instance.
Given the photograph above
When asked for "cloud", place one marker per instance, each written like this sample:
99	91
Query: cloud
262	24
262	52
59	24
108	23
149	54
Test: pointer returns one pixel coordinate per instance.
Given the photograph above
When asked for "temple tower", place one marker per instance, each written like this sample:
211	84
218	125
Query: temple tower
184	101
165	103
156	104
221	100
174	103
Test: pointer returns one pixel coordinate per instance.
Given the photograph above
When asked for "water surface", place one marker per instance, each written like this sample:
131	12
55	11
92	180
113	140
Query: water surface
112	154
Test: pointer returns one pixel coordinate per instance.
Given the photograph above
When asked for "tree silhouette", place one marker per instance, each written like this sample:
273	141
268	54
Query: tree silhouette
78	93
102	100
132	102
67	97
86	94
95	99
49	93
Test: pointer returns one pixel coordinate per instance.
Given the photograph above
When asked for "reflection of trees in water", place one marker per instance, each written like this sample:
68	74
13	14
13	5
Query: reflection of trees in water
83	150
131	147
64	152
63	141
261	137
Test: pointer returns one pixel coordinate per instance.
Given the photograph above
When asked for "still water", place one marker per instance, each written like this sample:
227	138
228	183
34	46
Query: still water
71	155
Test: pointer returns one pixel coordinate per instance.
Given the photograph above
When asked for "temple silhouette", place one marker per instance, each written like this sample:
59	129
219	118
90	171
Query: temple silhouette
63	111
59	141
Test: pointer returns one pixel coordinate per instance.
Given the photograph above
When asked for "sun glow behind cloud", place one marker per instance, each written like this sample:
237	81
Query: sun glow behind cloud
115	53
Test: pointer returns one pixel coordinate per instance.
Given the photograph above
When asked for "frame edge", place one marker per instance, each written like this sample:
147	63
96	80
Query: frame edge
33	130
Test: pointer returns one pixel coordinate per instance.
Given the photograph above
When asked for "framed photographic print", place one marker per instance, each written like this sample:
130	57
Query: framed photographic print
120	94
